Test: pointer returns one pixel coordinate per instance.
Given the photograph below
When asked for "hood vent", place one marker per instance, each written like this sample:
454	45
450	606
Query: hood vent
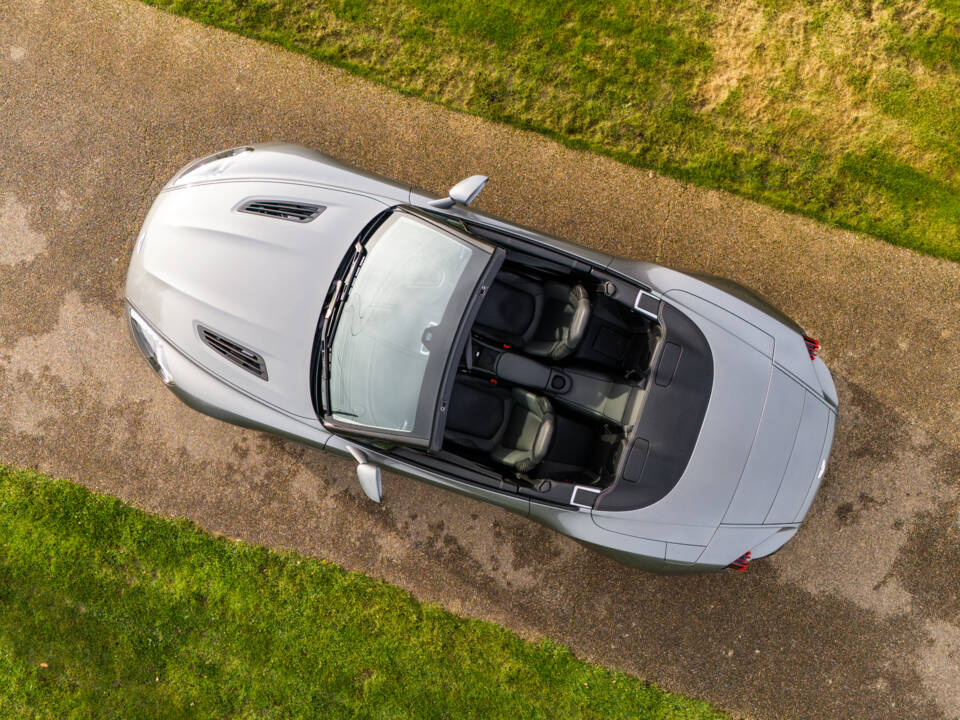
282	209
237	354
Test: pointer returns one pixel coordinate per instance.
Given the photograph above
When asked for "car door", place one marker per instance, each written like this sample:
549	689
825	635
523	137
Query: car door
434	471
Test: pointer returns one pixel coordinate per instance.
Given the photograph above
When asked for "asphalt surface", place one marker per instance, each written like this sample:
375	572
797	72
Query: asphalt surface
858	617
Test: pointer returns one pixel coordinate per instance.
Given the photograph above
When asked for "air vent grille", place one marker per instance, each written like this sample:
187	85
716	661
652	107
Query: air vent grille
282	209
237	354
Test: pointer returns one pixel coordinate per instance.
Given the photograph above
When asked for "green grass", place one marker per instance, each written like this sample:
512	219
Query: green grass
106	611
844	110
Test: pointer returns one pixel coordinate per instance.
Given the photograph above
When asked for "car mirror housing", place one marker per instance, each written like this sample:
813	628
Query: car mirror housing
368	474
370	481
464	192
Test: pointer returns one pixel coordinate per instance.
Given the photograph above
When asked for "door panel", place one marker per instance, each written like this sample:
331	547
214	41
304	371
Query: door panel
505	499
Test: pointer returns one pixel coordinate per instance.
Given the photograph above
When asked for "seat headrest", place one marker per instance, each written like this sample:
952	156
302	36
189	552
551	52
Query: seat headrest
542	443
581	315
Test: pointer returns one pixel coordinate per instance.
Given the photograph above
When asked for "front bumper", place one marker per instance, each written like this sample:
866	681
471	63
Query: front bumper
154	349
210	395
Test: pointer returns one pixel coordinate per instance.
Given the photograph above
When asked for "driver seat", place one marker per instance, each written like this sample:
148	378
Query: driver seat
547	319
515	427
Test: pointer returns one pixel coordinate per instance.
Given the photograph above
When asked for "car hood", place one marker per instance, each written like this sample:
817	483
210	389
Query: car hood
258	281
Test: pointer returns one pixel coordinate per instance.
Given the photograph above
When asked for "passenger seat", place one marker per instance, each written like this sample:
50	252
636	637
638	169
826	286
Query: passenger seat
515	427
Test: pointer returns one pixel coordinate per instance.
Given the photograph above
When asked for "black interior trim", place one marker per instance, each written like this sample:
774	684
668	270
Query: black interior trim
451	465
530	252
665	434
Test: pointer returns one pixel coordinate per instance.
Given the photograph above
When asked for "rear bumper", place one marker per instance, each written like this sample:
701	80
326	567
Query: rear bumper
826	383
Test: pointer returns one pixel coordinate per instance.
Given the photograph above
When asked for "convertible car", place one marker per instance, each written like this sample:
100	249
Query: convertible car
674	421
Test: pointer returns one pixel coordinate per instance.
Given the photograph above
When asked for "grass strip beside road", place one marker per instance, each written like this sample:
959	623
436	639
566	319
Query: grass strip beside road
845	111
107	611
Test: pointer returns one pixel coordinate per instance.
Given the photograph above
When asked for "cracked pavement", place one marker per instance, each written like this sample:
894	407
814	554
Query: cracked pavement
858	617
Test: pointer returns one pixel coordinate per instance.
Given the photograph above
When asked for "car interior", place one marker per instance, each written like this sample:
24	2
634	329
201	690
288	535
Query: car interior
552	377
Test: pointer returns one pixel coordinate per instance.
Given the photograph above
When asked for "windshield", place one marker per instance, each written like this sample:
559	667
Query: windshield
397	325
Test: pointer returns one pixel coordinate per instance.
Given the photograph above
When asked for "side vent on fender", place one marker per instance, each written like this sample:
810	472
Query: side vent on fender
237	354
282	209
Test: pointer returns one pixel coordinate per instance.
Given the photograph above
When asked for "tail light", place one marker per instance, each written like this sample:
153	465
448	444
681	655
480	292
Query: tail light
740	564
813	346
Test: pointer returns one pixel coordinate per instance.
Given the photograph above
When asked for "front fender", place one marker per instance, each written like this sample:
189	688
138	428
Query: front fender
209	395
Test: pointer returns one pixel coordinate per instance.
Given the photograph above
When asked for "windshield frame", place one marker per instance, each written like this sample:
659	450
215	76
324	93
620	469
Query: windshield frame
456	312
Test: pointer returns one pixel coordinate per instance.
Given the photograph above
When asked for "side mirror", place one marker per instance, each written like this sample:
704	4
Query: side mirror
370	483
368	474
464	192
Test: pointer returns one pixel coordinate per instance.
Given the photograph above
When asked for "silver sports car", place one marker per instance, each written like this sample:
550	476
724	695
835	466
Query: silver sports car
673	421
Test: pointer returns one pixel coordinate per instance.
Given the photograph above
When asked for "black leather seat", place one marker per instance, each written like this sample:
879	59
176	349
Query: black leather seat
578	453
514	427
512	309
547	319
563	324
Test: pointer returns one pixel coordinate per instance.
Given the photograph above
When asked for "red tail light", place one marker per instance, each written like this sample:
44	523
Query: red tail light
740	564
813	346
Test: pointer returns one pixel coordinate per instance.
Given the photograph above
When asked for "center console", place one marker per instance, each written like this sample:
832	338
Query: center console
589	392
